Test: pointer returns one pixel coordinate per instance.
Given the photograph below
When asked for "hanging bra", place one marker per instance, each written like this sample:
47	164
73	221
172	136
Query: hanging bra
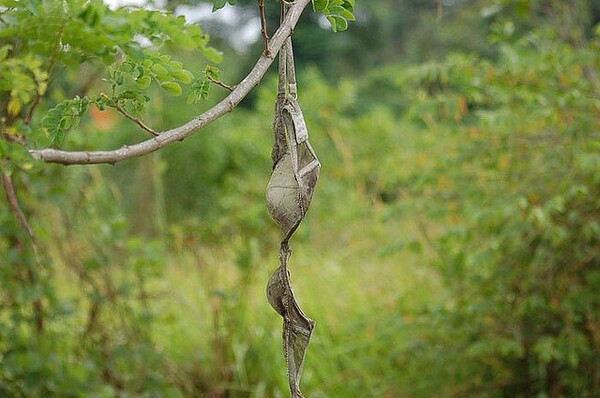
295	164
289	193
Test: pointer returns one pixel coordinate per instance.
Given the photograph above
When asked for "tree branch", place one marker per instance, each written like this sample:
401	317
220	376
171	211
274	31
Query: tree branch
263	26
220	83
179	133
134	119
14	204
12	138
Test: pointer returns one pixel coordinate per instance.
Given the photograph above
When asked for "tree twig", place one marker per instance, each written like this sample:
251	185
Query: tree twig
38	306
263	26
14	204
180	133
12	138
134	119
38	95
220	83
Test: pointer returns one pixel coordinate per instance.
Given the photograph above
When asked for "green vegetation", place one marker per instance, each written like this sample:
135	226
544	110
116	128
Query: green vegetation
452	248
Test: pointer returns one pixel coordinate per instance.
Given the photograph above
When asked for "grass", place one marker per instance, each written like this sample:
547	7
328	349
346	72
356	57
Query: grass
216	325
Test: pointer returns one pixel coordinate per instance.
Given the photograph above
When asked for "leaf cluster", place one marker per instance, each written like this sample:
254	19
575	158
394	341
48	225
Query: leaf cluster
337	12
40	40
62	118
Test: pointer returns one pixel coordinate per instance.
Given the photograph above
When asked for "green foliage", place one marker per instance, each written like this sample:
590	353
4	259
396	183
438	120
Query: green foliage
23	78
40	38
63	117
218	4
57	339
200	88
338	12
518	248
90	338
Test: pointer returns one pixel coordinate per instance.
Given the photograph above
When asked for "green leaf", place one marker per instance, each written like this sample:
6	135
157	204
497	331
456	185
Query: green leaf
320	5
212	54
218	4
340	23
143	82
332	23
342	12
172	88
191	98
183	76
200	90
175	65
128	94
127	67
212	72
160	70
14	106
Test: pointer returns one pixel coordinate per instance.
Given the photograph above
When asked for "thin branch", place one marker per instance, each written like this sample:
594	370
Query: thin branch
263	26
134	119
36	102
38	306
14	204
180	133
13	138
220	83
38	95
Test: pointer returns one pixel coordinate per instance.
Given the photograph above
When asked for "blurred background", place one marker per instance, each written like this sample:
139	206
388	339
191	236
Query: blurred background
452	248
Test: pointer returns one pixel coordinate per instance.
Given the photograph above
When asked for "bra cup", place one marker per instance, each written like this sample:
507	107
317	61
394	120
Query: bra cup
309	182
276	291
283	195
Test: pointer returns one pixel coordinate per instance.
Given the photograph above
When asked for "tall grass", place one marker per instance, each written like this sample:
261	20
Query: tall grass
217	328
217	333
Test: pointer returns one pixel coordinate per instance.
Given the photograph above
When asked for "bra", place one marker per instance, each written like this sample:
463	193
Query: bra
295	172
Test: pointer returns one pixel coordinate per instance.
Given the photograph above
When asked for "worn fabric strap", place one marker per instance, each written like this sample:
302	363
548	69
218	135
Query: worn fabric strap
287	72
